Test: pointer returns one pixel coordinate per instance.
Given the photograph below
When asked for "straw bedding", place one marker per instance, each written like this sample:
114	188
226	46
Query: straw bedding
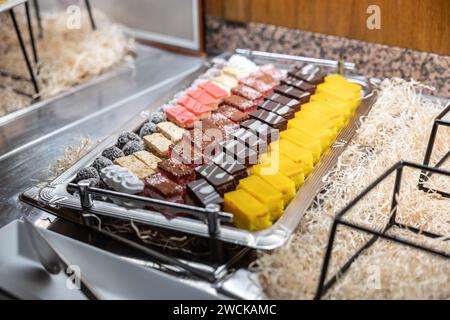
71	156
397	128
67	57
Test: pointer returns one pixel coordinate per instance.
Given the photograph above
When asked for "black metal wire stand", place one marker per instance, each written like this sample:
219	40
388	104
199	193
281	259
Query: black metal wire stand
20	39
426	175
37	11
398	169
31	32
91	15
23	47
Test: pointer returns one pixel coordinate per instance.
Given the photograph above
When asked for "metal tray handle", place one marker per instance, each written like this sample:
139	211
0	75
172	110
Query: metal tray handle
211	213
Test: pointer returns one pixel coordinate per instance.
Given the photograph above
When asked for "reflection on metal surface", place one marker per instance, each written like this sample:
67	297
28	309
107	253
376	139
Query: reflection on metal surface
31	142
173	22
170	22
242	284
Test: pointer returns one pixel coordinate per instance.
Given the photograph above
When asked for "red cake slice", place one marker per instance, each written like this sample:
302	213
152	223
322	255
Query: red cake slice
187	153
233	114
159	187
240	103
177	171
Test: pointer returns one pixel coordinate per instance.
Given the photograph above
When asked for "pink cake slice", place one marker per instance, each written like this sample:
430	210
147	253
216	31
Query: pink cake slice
204	98
199	110
215	91
181	117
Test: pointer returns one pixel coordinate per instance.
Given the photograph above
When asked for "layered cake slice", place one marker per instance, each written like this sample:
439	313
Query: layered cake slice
249	213
264	193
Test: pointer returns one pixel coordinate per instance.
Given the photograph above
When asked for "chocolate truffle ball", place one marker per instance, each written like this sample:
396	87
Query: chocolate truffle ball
87	174
158	117
126	137
113	153
101	162
147	129
132	147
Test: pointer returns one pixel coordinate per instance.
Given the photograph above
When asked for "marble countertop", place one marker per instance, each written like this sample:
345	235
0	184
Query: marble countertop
371	59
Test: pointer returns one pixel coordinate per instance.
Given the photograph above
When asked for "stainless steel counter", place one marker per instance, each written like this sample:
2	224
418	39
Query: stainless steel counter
33	139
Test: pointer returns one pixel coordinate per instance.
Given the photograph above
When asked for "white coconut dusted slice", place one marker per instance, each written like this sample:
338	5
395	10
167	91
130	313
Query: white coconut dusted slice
122	179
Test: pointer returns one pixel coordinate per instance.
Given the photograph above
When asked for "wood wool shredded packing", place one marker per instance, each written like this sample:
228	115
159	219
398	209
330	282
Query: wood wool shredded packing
397	128
67	57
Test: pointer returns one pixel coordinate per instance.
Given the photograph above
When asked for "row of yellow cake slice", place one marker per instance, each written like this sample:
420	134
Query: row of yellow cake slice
260	200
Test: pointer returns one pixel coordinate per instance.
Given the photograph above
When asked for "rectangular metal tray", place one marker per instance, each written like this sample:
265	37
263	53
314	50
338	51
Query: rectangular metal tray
55	198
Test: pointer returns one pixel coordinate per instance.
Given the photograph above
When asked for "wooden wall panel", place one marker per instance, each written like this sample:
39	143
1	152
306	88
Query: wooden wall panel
238	10
416	24
281	12
213	7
